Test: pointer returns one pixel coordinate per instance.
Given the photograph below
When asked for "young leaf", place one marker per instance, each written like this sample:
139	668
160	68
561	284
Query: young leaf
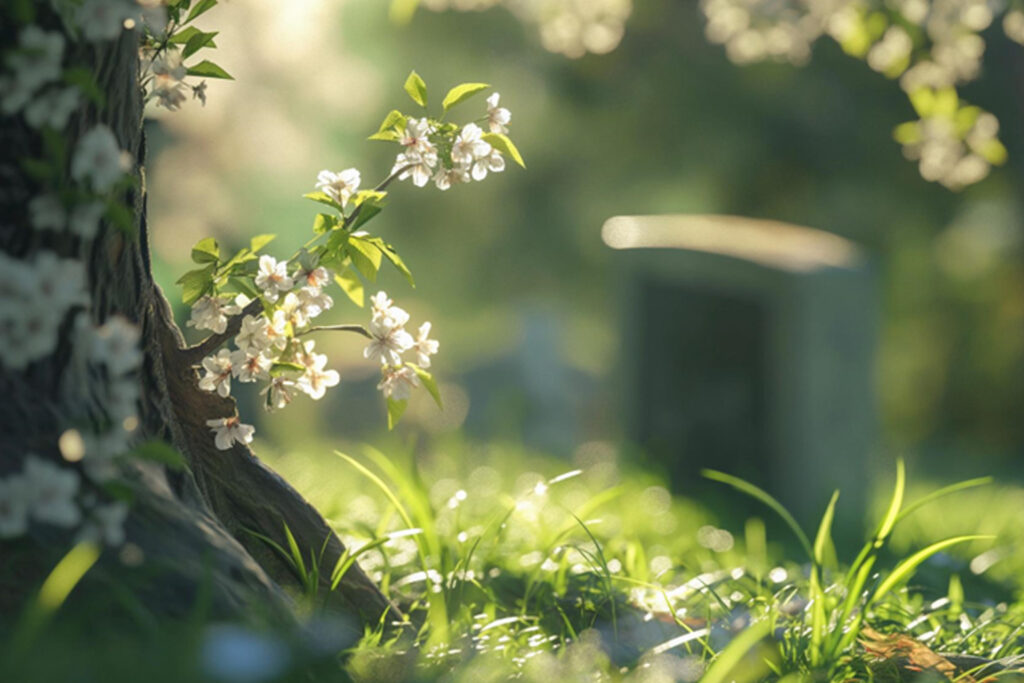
260	241
181	37
244	287
161	452
86	82
195	283
352	286
206	251
324	222
197	42
395	259
366	214
502	143
322	198
365	255
395	410
429	382
387	131
208	69
416	88
461	93
201	7
281	368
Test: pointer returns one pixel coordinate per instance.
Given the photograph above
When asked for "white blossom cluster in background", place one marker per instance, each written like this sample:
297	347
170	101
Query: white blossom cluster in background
930	46
389	340
35	297
569	27
267	347
46	493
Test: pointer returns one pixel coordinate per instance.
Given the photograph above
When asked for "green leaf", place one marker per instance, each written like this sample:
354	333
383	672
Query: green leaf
461	93
208	69
280	368
195	283
824	537
395	411
365	255
729	663
197	42
121	216
260	241
352	286
322	198
395	259
387	131
501	142
160	452
85	81
429	382
364	196
244	287
905	568
201	7
763	496
416	88
324	222
181	37
206	251
366	214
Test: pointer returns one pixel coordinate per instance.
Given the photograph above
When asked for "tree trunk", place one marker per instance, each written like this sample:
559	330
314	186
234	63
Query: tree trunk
194	524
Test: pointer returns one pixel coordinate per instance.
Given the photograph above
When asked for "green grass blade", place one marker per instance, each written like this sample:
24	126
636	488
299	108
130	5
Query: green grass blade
293	546
725	665
379	483
763	496
905	568
945	491
891	515
824	536
819	620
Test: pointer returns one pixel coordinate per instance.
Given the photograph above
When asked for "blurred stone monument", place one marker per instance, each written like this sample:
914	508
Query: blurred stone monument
748	347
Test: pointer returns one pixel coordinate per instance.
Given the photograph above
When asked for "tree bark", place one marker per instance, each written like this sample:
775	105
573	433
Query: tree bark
194	524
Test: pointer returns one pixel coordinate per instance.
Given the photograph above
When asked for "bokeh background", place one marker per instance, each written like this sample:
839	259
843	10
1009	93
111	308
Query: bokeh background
524	295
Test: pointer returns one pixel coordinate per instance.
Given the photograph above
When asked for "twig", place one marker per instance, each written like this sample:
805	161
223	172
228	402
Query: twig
358	329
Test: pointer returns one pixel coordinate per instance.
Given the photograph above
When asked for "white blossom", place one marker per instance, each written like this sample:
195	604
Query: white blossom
36	62
417	165
218	369
469	146
340	186
116	344
249	367
314	301
389	339
276	331
13	506
398	382
229	430
379	304
211	312
46	212
85	218
280	392
294	311
252	336
273	277
493	162
313	278
105	524
425	347
315	380
51	491
497	117
52	108
415	137
446	177
99	160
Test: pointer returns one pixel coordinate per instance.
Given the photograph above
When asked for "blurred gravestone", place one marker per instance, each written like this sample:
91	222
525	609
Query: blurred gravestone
748	347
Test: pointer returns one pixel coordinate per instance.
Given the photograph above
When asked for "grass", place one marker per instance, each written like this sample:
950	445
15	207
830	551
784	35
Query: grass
510	564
